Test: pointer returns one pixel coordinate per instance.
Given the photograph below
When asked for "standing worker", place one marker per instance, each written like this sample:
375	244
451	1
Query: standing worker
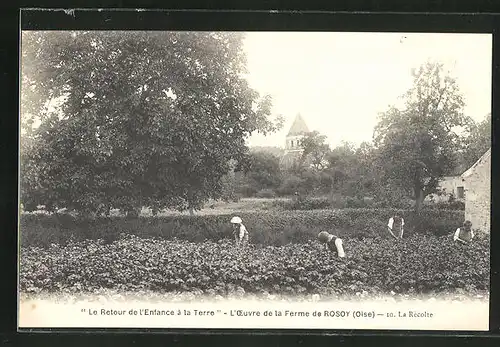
395	226
239	231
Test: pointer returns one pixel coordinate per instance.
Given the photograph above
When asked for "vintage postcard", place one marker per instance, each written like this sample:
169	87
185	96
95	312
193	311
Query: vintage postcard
270	180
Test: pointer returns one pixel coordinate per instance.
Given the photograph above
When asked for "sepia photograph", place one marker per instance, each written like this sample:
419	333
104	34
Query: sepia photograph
254	180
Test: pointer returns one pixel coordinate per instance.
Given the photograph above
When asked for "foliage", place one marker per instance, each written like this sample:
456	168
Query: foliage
391	194
265	227
332	202
342	164
417	144
229	189
291	184
276	151
133	119
261	171
315	148
448	205
342	202
266	193
308	203
345	170
478	141
418	265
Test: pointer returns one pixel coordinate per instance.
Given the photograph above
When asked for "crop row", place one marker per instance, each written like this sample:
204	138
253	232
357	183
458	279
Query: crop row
417	265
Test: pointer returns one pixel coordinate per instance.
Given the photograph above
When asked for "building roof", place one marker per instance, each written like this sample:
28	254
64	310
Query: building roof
298	127
480	160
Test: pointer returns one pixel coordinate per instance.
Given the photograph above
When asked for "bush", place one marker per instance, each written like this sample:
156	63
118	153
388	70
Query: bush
448	205
266	194
404	204
339	202
290	185
370	227
303	204
352	202
246	190
265	227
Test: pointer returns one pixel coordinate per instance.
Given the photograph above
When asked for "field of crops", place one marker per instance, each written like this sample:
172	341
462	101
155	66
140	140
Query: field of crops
418	265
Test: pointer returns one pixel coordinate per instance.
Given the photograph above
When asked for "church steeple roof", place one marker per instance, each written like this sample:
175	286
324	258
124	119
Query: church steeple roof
298	127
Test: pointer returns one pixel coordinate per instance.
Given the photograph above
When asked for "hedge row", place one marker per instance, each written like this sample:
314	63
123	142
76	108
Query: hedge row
265	227
341	202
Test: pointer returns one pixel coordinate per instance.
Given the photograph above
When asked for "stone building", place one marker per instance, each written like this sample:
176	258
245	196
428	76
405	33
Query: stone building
449	185
293	142
477	182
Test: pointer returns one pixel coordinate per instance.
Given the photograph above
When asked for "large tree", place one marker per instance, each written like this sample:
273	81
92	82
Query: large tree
144	118
417	143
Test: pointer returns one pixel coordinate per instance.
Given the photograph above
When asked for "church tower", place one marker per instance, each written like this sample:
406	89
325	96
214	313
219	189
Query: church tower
293	144
295	135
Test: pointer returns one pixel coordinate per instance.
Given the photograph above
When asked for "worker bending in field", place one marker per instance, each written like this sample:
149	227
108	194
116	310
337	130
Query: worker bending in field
464	234
332	243
239	231
395	226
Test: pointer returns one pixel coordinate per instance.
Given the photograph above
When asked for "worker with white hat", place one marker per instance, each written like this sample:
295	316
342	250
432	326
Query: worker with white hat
239	231
332	243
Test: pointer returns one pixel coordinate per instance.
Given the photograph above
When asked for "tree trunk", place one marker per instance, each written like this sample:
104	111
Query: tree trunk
418	191
419	199
133	213
155	210
86	215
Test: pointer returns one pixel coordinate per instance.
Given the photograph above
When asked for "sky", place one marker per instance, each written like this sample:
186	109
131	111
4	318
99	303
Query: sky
340	82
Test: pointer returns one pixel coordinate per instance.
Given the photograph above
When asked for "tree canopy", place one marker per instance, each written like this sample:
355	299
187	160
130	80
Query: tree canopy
131	119
478	141
315	150
417	143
